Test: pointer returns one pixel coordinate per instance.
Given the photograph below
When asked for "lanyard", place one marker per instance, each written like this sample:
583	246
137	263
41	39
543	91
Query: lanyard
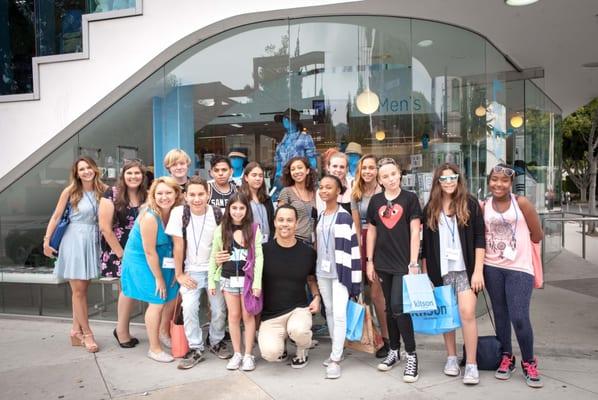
325	237
93	206
451	228
513	229
195	240
262	219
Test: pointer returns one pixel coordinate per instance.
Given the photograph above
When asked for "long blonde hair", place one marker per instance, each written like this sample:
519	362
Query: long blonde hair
358	183
75	187
151	204
459	200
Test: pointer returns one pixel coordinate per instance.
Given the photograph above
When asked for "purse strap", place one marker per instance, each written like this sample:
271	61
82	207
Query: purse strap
177	307
488	309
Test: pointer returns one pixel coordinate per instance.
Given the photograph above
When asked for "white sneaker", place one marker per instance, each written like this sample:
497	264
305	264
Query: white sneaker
451	368
234	362
160	357
165	340
333	370
248	363
471	376
329	360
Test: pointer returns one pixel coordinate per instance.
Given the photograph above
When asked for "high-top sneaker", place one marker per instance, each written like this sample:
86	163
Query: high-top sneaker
391	359
410	374
506	367
532	376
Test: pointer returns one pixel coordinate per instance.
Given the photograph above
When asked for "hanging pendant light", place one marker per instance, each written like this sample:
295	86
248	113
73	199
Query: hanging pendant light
516	120
480	111
367	102
380	135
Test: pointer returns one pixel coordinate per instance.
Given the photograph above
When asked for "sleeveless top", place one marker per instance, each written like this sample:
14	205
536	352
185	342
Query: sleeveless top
508	242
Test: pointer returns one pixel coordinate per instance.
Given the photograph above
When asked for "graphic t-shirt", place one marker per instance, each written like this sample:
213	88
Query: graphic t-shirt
238	257
284	277
218	198
393	234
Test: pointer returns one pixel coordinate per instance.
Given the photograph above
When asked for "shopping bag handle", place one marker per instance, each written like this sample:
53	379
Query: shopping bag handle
488	309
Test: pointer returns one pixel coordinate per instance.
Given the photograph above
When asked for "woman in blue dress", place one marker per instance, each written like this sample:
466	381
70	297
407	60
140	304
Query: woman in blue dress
79	251
147	269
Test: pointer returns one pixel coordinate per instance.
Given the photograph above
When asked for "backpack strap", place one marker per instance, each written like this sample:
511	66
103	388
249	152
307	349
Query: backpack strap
186	219
217	214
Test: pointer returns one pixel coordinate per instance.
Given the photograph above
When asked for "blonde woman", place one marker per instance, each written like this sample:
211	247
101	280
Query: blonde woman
79	251
147	265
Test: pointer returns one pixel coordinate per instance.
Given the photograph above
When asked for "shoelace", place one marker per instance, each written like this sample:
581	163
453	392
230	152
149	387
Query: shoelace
411	365
390	357
505	363
531	369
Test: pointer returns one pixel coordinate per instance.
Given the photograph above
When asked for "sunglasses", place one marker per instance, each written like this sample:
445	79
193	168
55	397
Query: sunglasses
385	161
503	170
448	178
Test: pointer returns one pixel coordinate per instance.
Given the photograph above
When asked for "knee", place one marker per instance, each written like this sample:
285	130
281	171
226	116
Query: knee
467	314
271	349
520	323
234	316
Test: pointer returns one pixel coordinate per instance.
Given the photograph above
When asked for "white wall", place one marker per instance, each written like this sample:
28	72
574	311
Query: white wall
117	49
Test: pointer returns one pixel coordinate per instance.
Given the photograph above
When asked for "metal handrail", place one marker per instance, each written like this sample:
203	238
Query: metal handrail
583	221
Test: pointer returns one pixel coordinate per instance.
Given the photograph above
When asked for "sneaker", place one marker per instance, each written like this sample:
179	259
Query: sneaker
333	370
283	357
471	376
300	360
383	351
532	376
220	350
165	340
234	362
191	359
506	367
160	357
248	363
314	343
451	368
391	359
329	360
410	374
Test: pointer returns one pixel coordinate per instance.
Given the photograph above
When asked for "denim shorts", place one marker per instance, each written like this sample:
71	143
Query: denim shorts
458	280
225	286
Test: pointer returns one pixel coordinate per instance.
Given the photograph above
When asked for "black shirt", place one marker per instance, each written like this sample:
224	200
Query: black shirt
219	199
284	277
393	234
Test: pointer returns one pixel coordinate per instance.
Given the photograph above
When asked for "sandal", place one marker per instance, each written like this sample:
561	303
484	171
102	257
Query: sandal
90	347
76	338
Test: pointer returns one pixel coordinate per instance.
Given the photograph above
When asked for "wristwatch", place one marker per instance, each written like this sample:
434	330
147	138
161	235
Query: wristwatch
413	265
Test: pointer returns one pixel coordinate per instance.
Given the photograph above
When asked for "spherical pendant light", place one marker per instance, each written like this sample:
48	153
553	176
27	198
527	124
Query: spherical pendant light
367	102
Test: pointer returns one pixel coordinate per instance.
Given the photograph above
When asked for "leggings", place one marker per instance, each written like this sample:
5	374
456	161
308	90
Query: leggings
510	293
399	324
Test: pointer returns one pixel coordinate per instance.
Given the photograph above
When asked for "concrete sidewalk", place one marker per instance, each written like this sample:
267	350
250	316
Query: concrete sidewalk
39	363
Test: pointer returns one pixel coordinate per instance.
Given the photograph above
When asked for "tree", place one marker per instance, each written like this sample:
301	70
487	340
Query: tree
575	146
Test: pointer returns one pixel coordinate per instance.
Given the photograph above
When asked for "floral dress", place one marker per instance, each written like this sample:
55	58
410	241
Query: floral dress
122	224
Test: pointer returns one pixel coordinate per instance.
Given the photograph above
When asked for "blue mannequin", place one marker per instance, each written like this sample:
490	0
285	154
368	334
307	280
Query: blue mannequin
237	160
353	152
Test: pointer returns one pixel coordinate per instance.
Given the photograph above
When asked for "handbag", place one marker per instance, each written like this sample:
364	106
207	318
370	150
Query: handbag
371	339
537	265
253	304
60	229
355	318
489	350
445	318
179	342
417	293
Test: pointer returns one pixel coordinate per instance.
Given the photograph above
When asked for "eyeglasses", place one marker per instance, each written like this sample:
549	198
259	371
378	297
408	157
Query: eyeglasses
387	213
448	178
504	170
385	161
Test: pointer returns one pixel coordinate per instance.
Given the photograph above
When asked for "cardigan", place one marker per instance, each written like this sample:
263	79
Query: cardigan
346	253
472	236
215	271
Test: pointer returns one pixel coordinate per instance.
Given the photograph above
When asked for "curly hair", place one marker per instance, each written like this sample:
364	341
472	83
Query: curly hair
310	180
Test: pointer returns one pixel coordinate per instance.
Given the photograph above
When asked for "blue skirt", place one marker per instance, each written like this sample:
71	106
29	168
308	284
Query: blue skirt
138	282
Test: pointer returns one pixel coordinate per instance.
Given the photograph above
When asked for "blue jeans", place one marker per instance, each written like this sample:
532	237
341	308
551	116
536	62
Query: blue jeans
191	305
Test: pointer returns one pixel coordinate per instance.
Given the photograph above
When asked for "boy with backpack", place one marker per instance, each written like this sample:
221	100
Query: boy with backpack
191	227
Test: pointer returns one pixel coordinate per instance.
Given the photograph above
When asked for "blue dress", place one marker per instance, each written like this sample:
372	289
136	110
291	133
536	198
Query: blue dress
79	251
137	280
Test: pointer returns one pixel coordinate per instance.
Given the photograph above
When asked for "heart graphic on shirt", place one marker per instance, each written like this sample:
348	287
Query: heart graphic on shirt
390	219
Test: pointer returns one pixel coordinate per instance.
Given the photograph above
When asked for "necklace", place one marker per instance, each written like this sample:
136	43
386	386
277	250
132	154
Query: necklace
300	196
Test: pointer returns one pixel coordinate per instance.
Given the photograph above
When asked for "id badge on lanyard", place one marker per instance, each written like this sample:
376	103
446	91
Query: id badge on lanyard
326	265
168	263
509	253
452	254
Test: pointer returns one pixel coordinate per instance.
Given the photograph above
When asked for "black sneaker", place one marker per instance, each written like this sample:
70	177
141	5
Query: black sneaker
410	374
383	351
283	357
300	360
191	359
506	367
220	350
391	359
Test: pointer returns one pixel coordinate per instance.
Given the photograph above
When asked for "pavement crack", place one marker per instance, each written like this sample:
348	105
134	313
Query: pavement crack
95	358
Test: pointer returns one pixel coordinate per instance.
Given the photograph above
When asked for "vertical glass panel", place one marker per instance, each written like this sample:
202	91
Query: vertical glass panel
516	135
17	46
97	6
449	83
58	26
124	131
223	94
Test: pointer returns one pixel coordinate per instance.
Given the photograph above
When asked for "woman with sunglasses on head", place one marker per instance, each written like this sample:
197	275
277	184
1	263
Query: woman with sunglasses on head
453	254
118	210
512	224
299	181
394	222
365	186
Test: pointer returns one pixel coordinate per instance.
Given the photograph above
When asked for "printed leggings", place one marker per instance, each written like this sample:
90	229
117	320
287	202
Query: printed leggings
510	293
399	324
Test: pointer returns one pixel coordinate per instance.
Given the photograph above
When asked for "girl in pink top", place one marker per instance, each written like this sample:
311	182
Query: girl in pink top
511	225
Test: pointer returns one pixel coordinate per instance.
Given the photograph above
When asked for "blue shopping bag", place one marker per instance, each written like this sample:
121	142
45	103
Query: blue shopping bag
355	316
445	318
417	293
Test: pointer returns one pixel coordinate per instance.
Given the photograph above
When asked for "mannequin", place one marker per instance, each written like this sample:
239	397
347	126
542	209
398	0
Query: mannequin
353	152
238	161
294	143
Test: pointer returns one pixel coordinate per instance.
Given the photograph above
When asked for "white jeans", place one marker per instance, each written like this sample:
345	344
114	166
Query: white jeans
191	312
335	297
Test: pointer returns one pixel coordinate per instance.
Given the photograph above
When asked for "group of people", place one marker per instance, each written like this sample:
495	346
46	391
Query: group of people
184	235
